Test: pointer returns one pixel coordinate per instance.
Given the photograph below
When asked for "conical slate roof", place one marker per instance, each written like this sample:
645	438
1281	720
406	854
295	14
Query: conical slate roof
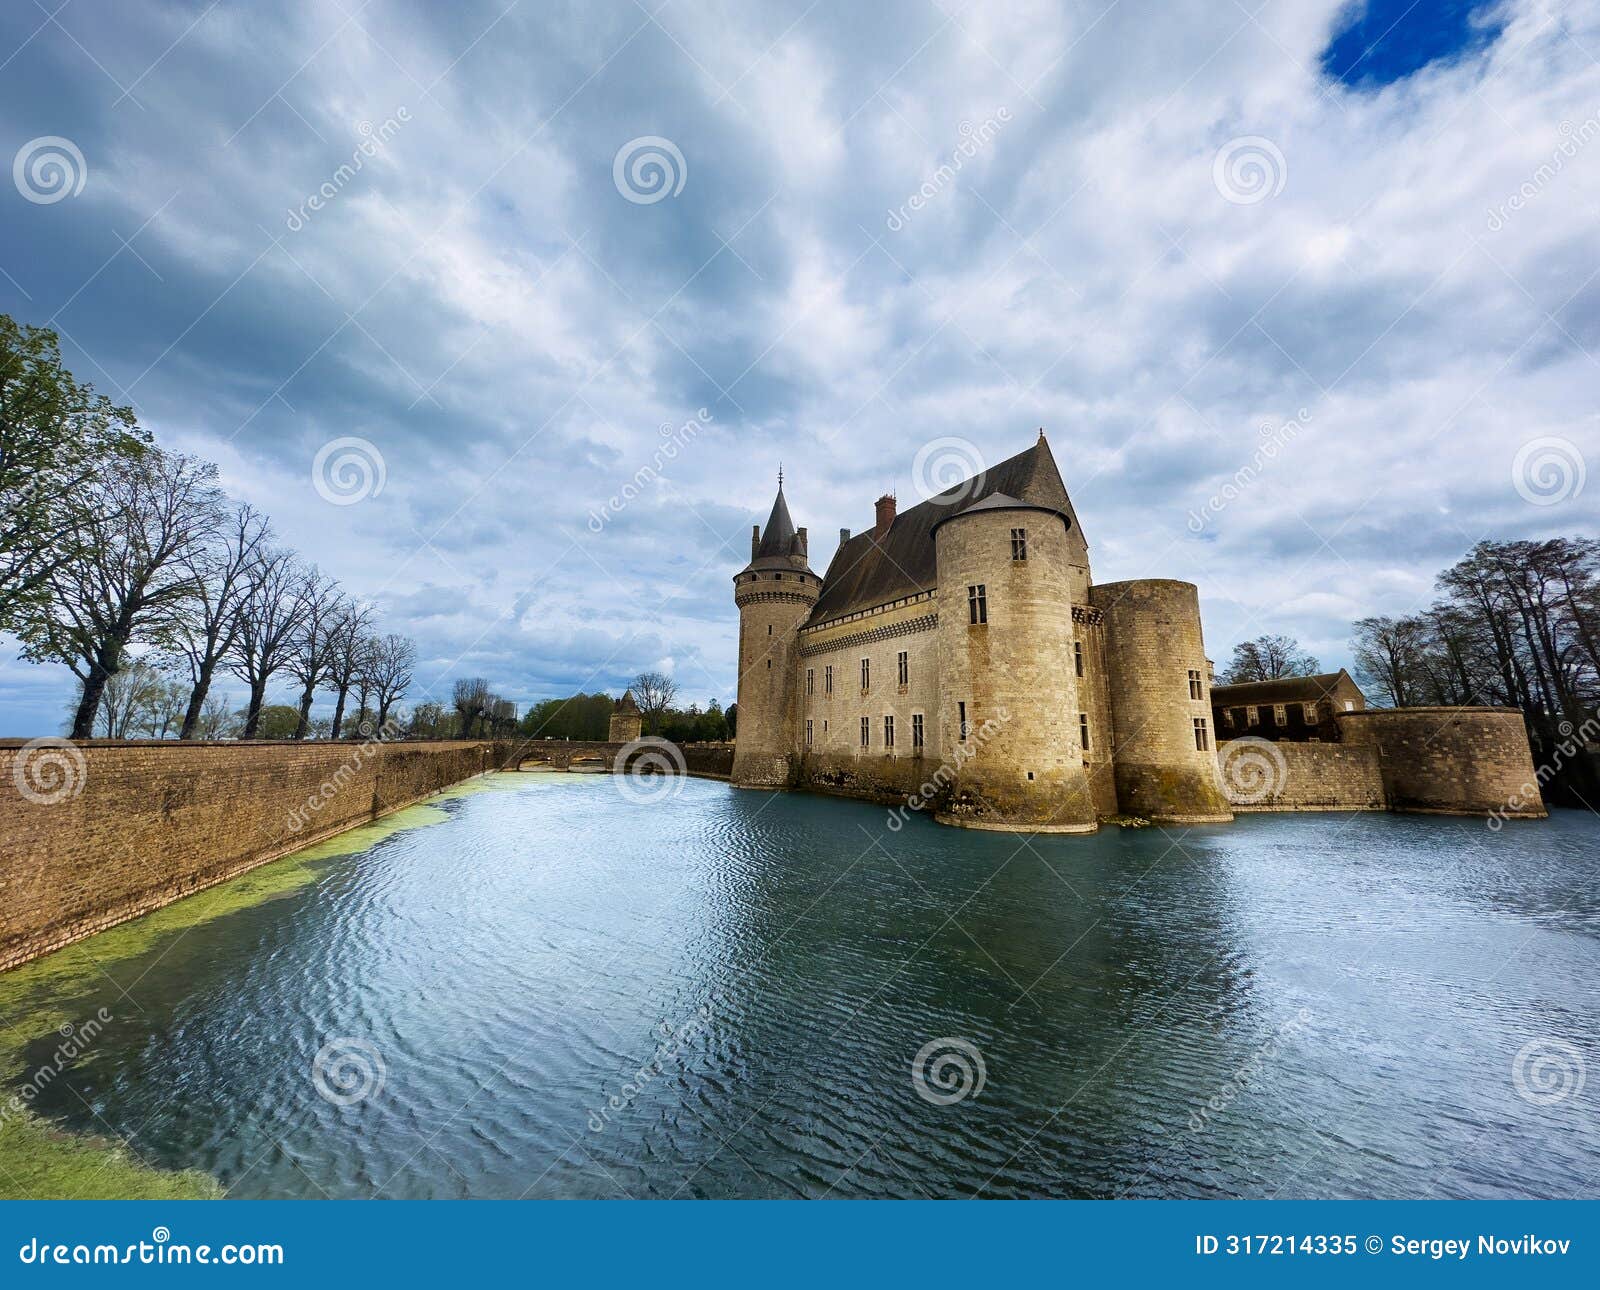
778	537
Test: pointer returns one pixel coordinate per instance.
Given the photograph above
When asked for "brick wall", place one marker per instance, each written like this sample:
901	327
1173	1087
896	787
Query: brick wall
1259	775
152	822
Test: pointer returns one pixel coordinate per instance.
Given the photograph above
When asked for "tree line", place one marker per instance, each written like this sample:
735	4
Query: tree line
129	564
588	716
1515	624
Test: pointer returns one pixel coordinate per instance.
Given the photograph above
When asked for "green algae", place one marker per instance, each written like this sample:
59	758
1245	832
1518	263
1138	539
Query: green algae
39	1160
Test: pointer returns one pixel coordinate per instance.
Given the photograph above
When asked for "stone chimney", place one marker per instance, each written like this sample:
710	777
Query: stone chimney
755	540
844	536
885	515
800	541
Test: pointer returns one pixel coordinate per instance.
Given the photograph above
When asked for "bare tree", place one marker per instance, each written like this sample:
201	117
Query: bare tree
392	664
128	699
215	718
348	657
210	622
471	699
654	693
268	620
1266	658
316	642
128	577
1388	653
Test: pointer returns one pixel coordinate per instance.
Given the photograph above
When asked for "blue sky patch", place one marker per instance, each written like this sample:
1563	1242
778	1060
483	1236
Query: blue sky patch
1384	41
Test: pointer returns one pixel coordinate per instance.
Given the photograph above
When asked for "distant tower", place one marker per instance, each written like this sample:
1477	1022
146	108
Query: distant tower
774	593
626	721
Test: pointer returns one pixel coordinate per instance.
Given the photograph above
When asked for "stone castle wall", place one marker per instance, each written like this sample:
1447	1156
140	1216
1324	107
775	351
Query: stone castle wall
835	760
772	605
1450	761
154	822
1015	674
1153	642
1259	775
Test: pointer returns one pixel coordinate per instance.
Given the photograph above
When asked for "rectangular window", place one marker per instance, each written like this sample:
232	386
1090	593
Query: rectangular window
1077	657
1280	715
808	733
1019	544
827	679
961	715
811	680
866	675
1195	692
1202	737
904	661
1349	706
977	605
1251	716
1309	712
888	732
1083	731
1227	716
866	731
916	730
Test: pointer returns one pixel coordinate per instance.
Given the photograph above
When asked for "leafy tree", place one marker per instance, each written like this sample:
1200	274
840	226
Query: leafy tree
129	573
57	439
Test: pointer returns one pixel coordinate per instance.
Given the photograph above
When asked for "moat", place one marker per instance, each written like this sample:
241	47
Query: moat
1294	1005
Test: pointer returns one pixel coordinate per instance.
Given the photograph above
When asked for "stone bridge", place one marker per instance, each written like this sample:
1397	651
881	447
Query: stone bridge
563	754
713	761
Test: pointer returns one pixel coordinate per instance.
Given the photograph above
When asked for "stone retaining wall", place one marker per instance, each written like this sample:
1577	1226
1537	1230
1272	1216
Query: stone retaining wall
1280	776
97	832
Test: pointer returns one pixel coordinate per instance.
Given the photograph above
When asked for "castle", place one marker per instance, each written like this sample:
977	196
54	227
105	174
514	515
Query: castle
960	657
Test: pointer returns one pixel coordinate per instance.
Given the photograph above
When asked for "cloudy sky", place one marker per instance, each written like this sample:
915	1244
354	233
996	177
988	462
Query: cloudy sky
1350	250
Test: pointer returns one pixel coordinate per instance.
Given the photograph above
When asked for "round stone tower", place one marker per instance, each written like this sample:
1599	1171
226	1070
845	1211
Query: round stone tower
1009	714
1165	758
774	593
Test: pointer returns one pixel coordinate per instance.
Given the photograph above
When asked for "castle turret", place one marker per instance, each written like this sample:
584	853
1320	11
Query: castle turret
1009	710
774	593
1165	750
627	722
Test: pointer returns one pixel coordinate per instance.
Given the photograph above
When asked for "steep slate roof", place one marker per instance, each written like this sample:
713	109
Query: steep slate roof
1285	689
778	537
868	571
